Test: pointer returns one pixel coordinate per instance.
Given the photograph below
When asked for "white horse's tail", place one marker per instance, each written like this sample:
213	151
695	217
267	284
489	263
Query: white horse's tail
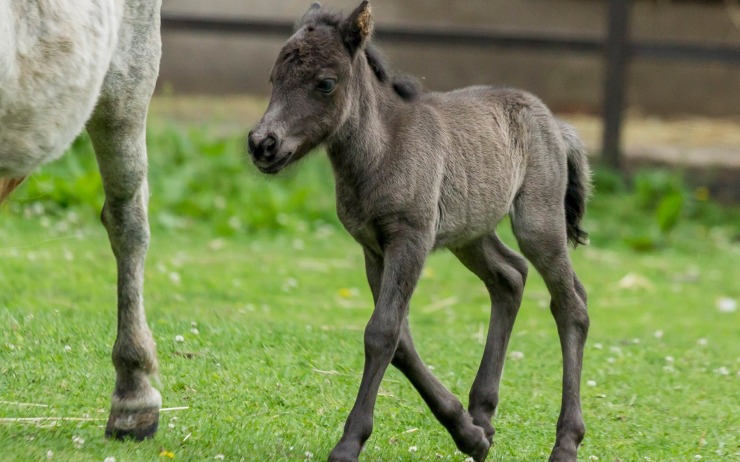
7	185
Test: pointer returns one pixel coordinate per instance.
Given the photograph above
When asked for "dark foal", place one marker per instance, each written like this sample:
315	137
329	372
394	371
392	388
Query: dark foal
418	171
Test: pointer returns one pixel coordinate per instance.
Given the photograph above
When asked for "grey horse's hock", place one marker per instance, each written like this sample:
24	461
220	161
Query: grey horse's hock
419	171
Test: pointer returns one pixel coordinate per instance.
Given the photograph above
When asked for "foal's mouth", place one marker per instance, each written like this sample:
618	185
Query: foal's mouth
276	166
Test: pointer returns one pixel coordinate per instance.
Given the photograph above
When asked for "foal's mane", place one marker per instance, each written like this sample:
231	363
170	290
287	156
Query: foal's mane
405	86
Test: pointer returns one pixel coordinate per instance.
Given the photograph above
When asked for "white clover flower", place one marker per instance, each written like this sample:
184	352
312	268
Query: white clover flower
669	359
110	459
722	371
78	442
309	455
598	346
413	449
179	338
219	457
726	305
67	348
702	342
658	334
49	454
194	331
591	383
175	278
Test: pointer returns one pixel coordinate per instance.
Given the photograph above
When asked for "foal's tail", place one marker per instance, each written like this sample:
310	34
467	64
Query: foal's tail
579	184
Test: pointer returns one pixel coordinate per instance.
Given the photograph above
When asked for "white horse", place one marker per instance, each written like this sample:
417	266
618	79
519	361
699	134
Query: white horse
64	65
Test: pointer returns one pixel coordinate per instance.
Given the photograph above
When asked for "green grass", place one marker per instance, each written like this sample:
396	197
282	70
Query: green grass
277	293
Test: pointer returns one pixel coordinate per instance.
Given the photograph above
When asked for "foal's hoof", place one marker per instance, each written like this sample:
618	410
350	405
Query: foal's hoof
136	425
475	444
480	451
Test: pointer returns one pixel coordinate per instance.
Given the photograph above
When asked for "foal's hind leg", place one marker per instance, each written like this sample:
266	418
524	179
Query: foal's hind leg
469	438
541	233
504	273
117	129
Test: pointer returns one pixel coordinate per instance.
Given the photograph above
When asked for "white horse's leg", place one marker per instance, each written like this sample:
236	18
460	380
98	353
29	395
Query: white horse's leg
118	129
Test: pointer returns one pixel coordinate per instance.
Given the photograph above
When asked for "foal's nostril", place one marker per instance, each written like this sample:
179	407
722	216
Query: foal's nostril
268	144
267	148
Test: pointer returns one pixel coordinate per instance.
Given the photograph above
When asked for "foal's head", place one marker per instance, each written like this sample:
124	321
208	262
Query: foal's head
311	86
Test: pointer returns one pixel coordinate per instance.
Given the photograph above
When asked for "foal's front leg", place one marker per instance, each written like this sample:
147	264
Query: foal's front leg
448	410
404	256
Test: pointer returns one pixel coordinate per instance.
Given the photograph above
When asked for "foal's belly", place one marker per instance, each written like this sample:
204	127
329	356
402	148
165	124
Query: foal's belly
52	65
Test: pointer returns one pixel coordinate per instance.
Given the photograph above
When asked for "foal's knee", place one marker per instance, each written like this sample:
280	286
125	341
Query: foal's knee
381	339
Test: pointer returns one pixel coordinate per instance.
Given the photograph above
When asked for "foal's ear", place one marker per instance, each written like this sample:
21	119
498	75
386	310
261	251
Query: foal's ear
314	6
307	16
357	28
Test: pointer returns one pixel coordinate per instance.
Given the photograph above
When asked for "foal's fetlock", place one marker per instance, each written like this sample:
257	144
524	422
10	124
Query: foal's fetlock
566	444
482	415
484	422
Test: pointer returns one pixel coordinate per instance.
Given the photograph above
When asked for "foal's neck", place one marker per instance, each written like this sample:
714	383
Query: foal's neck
358	147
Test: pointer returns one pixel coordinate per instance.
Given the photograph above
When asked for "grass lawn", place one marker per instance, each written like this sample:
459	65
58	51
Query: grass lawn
272	308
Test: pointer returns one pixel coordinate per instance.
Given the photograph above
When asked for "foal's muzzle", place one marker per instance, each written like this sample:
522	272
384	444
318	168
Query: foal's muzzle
262	148
265	151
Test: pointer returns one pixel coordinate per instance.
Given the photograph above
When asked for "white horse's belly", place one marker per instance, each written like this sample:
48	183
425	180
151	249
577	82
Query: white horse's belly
50	75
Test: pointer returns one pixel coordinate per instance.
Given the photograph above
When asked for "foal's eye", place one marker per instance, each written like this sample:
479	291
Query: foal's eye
326	85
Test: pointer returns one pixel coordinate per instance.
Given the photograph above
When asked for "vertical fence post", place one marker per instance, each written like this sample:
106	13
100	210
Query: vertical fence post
616	55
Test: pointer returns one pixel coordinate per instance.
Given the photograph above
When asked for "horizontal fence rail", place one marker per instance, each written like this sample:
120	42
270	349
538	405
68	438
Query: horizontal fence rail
440	35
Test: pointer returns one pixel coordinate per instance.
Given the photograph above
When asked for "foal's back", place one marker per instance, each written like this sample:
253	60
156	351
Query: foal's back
491	140
53	60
